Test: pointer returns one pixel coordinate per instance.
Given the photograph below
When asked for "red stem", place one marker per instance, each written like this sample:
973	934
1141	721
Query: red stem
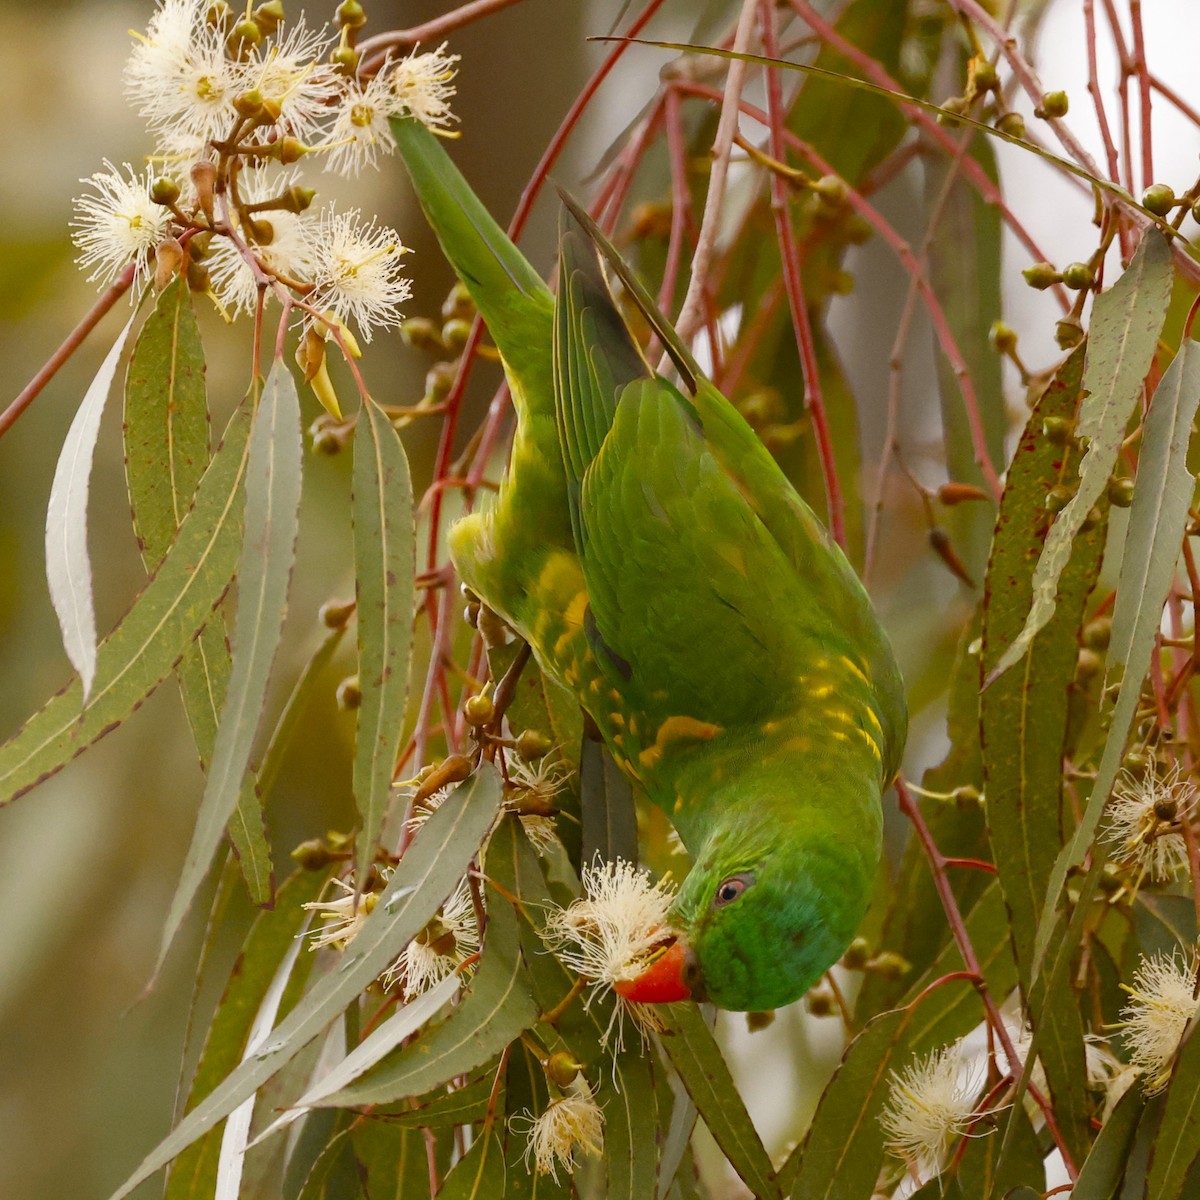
790	260
74	340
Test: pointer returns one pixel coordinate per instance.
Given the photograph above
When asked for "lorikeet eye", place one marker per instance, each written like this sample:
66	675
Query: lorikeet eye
731	889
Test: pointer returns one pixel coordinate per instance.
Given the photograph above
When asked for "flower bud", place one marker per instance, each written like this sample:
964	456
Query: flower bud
1093	518
532	745
326	442
168	257
492	627
1088	665
1058	431
458	303
197	277
350	15
471	614
334	614
455	333
1136	763
983	74
857	954
1058	497
164	190
1003	337
421	334
889	964
1078	275
1159	198
832	191
1096	634
479	710
1120	492
204	180
949	110
291	150
248	103
245	33
1053	105
439	380
346	59
349	694
297	199
820	1003
1041	276
651	219
1068	332
561	1068
757	1021
1012	124
269	16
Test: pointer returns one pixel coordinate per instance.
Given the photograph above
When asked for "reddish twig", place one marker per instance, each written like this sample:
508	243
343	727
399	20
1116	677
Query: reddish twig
375	50
790	260
29	393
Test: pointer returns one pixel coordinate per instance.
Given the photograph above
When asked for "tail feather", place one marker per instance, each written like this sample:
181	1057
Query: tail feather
506	289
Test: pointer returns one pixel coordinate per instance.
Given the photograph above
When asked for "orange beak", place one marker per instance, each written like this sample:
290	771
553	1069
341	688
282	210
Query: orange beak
665	979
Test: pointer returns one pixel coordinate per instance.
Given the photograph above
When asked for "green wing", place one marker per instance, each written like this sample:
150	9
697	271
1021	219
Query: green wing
704	567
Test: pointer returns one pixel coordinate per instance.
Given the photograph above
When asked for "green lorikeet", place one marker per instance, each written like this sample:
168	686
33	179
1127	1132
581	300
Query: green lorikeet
662	567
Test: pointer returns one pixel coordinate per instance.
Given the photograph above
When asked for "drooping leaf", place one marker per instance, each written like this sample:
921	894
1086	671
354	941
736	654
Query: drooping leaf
1126	321
166	454
497	1008
264	573
1158	515
442	1109
479	1174
1023	714
843	1149
676	1141
236	1134
393	1159
384	573
166	421
695	1055
194	1172
328	1090
606	803
1100	1173
985	1172
141	651
68	567
428	872
630	1122
1176	1146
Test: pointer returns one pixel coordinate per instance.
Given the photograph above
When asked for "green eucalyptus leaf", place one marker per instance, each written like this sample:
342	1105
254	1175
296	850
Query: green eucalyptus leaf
1158	515
1176	1147
441	1109
606	804
693	1051
480	1173
630	1122
1101	1172
264	573
166	421
384	572
393	1160
273	933
142	650
496	1009
428	872
1126	322
842	1152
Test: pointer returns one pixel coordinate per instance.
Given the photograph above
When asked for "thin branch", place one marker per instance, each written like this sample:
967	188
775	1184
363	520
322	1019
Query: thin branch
75	339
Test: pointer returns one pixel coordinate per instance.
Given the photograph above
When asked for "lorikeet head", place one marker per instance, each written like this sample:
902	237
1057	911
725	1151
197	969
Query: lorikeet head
778	889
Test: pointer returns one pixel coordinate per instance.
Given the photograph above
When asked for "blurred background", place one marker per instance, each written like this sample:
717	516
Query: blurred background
89	860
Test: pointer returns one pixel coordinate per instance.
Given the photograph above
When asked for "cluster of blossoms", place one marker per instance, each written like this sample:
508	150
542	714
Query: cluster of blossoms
440	949
571	1121
234	102
1162	1002
1145	818
611	933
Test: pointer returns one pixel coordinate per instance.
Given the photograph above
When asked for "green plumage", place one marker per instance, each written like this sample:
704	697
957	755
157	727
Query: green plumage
663	568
